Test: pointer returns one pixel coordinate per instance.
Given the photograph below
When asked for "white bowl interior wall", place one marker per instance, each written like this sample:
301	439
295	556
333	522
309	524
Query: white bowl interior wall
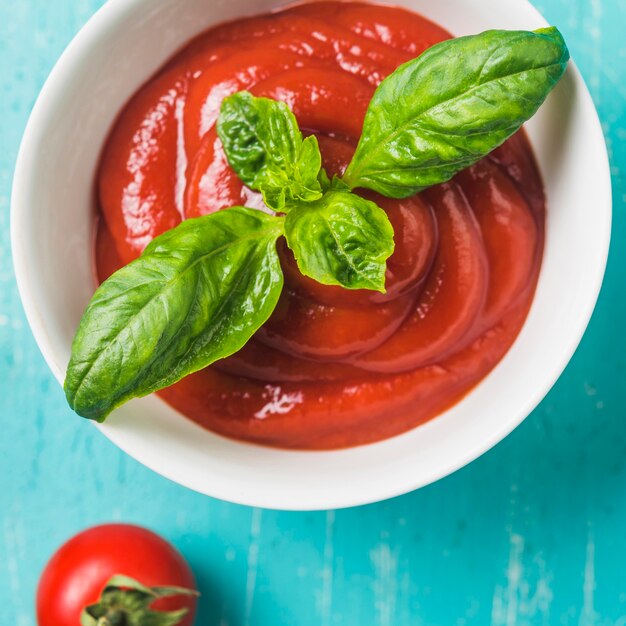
53	222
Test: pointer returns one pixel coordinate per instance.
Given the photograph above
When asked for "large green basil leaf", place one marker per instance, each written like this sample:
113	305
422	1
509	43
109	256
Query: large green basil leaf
264	146
341	239
445	110
196	295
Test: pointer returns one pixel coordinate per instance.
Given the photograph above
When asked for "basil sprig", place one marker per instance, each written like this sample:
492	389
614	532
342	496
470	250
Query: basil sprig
451	106
200	291
337	238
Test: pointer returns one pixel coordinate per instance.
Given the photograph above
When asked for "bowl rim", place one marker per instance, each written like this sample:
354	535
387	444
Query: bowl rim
106	17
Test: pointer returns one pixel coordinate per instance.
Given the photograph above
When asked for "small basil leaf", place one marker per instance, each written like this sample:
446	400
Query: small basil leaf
338	184
265	147
196	295
341	239
257	133
307	186
445	110
273	185
324	180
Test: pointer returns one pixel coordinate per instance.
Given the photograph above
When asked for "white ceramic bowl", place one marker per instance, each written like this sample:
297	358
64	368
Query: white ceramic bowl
52	224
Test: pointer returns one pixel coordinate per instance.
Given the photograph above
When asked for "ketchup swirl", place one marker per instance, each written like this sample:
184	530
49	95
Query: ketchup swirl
331	368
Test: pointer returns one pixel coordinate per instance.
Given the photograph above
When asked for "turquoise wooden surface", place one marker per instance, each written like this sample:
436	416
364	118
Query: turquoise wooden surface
532	533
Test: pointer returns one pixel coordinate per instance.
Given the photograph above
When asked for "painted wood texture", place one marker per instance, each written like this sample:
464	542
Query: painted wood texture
532	533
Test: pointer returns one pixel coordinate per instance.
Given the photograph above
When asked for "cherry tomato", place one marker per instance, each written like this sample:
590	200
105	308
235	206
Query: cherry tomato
76	575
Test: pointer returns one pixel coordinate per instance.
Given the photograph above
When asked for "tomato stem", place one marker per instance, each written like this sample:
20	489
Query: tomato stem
114	618
126	601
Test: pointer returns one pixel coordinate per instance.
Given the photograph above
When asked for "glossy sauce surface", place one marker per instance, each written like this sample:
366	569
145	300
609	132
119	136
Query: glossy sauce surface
331	368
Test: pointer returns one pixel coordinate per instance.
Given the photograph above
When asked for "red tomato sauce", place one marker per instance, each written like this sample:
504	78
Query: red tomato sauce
331	368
